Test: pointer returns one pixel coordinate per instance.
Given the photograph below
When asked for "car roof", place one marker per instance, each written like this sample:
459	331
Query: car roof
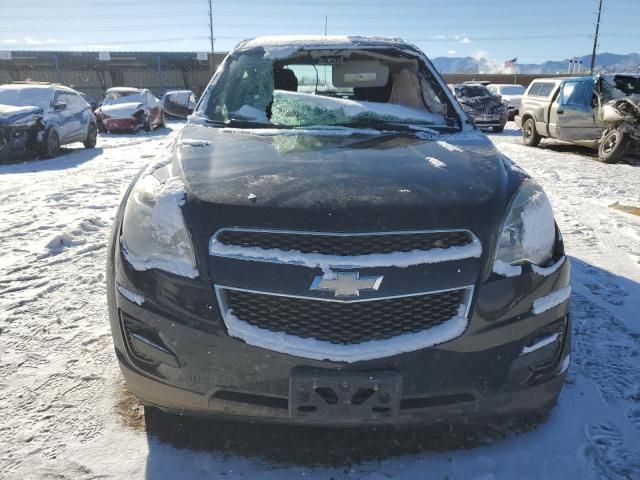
126	89
505	85
41	85
313	42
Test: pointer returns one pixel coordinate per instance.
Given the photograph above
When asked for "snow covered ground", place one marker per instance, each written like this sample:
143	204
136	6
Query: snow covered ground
64	412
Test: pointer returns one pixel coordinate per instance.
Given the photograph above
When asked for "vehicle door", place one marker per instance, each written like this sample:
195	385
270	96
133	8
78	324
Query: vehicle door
61	116
575	112
77	110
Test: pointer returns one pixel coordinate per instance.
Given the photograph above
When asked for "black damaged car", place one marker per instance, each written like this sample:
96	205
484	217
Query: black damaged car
487	110
331	241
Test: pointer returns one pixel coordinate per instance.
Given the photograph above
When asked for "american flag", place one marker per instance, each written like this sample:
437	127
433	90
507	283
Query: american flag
511	63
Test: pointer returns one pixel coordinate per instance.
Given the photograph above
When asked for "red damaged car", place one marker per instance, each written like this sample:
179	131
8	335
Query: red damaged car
129	109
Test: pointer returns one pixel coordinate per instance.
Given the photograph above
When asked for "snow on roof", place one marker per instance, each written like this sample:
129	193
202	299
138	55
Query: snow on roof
125	89
300	42
47	86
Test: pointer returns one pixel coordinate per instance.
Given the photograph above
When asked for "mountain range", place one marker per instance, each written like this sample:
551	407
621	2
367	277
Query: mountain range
604	62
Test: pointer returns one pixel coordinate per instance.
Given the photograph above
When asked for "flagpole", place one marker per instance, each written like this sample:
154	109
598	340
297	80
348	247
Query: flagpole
515	72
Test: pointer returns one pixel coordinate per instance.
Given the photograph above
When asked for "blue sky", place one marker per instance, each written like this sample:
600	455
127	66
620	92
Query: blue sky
533	31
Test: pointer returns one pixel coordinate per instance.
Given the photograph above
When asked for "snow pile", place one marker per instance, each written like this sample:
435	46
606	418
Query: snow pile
546	271
554	299
327	262
131	296
448	146
434	162
303	109
540	344
190	142
505	269
58	242
323	350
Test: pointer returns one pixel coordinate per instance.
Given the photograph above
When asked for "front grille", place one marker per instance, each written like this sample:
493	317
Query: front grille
344	323
484	111
345	245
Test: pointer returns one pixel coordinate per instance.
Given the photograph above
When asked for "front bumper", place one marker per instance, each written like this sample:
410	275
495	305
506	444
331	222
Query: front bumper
121	124
491	121
16	140
199	369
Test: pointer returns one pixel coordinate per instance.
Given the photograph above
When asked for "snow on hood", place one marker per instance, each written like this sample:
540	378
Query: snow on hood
9	113
122	110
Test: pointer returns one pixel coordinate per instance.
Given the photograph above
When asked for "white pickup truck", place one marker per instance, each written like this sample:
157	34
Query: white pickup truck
595	111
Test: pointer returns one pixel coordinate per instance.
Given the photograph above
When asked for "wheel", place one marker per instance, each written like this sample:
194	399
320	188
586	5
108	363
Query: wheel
530	135
101	127
499	129
92	137
613	146
146	124
162	123
51	145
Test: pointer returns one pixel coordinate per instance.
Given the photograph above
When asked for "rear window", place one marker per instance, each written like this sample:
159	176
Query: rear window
540	89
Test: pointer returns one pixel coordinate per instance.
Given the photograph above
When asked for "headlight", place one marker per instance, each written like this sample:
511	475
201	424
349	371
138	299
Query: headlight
528	233
467	108
153	230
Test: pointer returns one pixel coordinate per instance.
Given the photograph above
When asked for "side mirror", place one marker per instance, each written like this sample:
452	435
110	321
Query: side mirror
60	106
177	104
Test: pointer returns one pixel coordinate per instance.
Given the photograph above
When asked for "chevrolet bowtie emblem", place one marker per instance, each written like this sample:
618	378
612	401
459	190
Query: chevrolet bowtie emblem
346	284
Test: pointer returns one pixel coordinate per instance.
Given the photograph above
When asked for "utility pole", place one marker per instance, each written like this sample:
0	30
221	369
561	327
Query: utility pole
326	19
211	39
595	39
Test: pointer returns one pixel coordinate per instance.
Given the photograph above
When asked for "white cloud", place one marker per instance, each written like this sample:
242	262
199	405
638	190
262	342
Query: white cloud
439	37
9	41
487	64
452	52
48	41
464	39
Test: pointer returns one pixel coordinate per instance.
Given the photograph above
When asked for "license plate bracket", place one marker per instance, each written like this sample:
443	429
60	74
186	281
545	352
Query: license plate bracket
322	396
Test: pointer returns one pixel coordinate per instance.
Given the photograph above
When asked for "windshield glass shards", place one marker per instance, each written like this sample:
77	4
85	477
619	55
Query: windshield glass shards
325	89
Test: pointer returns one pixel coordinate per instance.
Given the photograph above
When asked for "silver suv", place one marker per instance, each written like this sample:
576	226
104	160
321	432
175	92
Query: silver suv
595	111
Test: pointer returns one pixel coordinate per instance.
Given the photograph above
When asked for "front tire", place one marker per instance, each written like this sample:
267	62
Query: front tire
162	120
146	124
613	146
498	129
51	145
92	137
530	135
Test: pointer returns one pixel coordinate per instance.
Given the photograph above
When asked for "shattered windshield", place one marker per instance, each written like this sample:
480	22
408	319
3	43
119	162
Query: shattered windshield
25	97
318	88
123	97
470	91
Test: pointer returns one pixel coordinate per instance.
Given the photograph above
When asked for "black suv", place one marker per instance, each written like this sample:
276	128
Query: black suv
331	241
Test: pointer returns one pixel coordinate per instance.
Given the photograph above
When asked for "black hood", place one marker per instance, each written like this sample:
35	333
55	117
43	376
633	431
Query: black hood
489	101
10	114
341	183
